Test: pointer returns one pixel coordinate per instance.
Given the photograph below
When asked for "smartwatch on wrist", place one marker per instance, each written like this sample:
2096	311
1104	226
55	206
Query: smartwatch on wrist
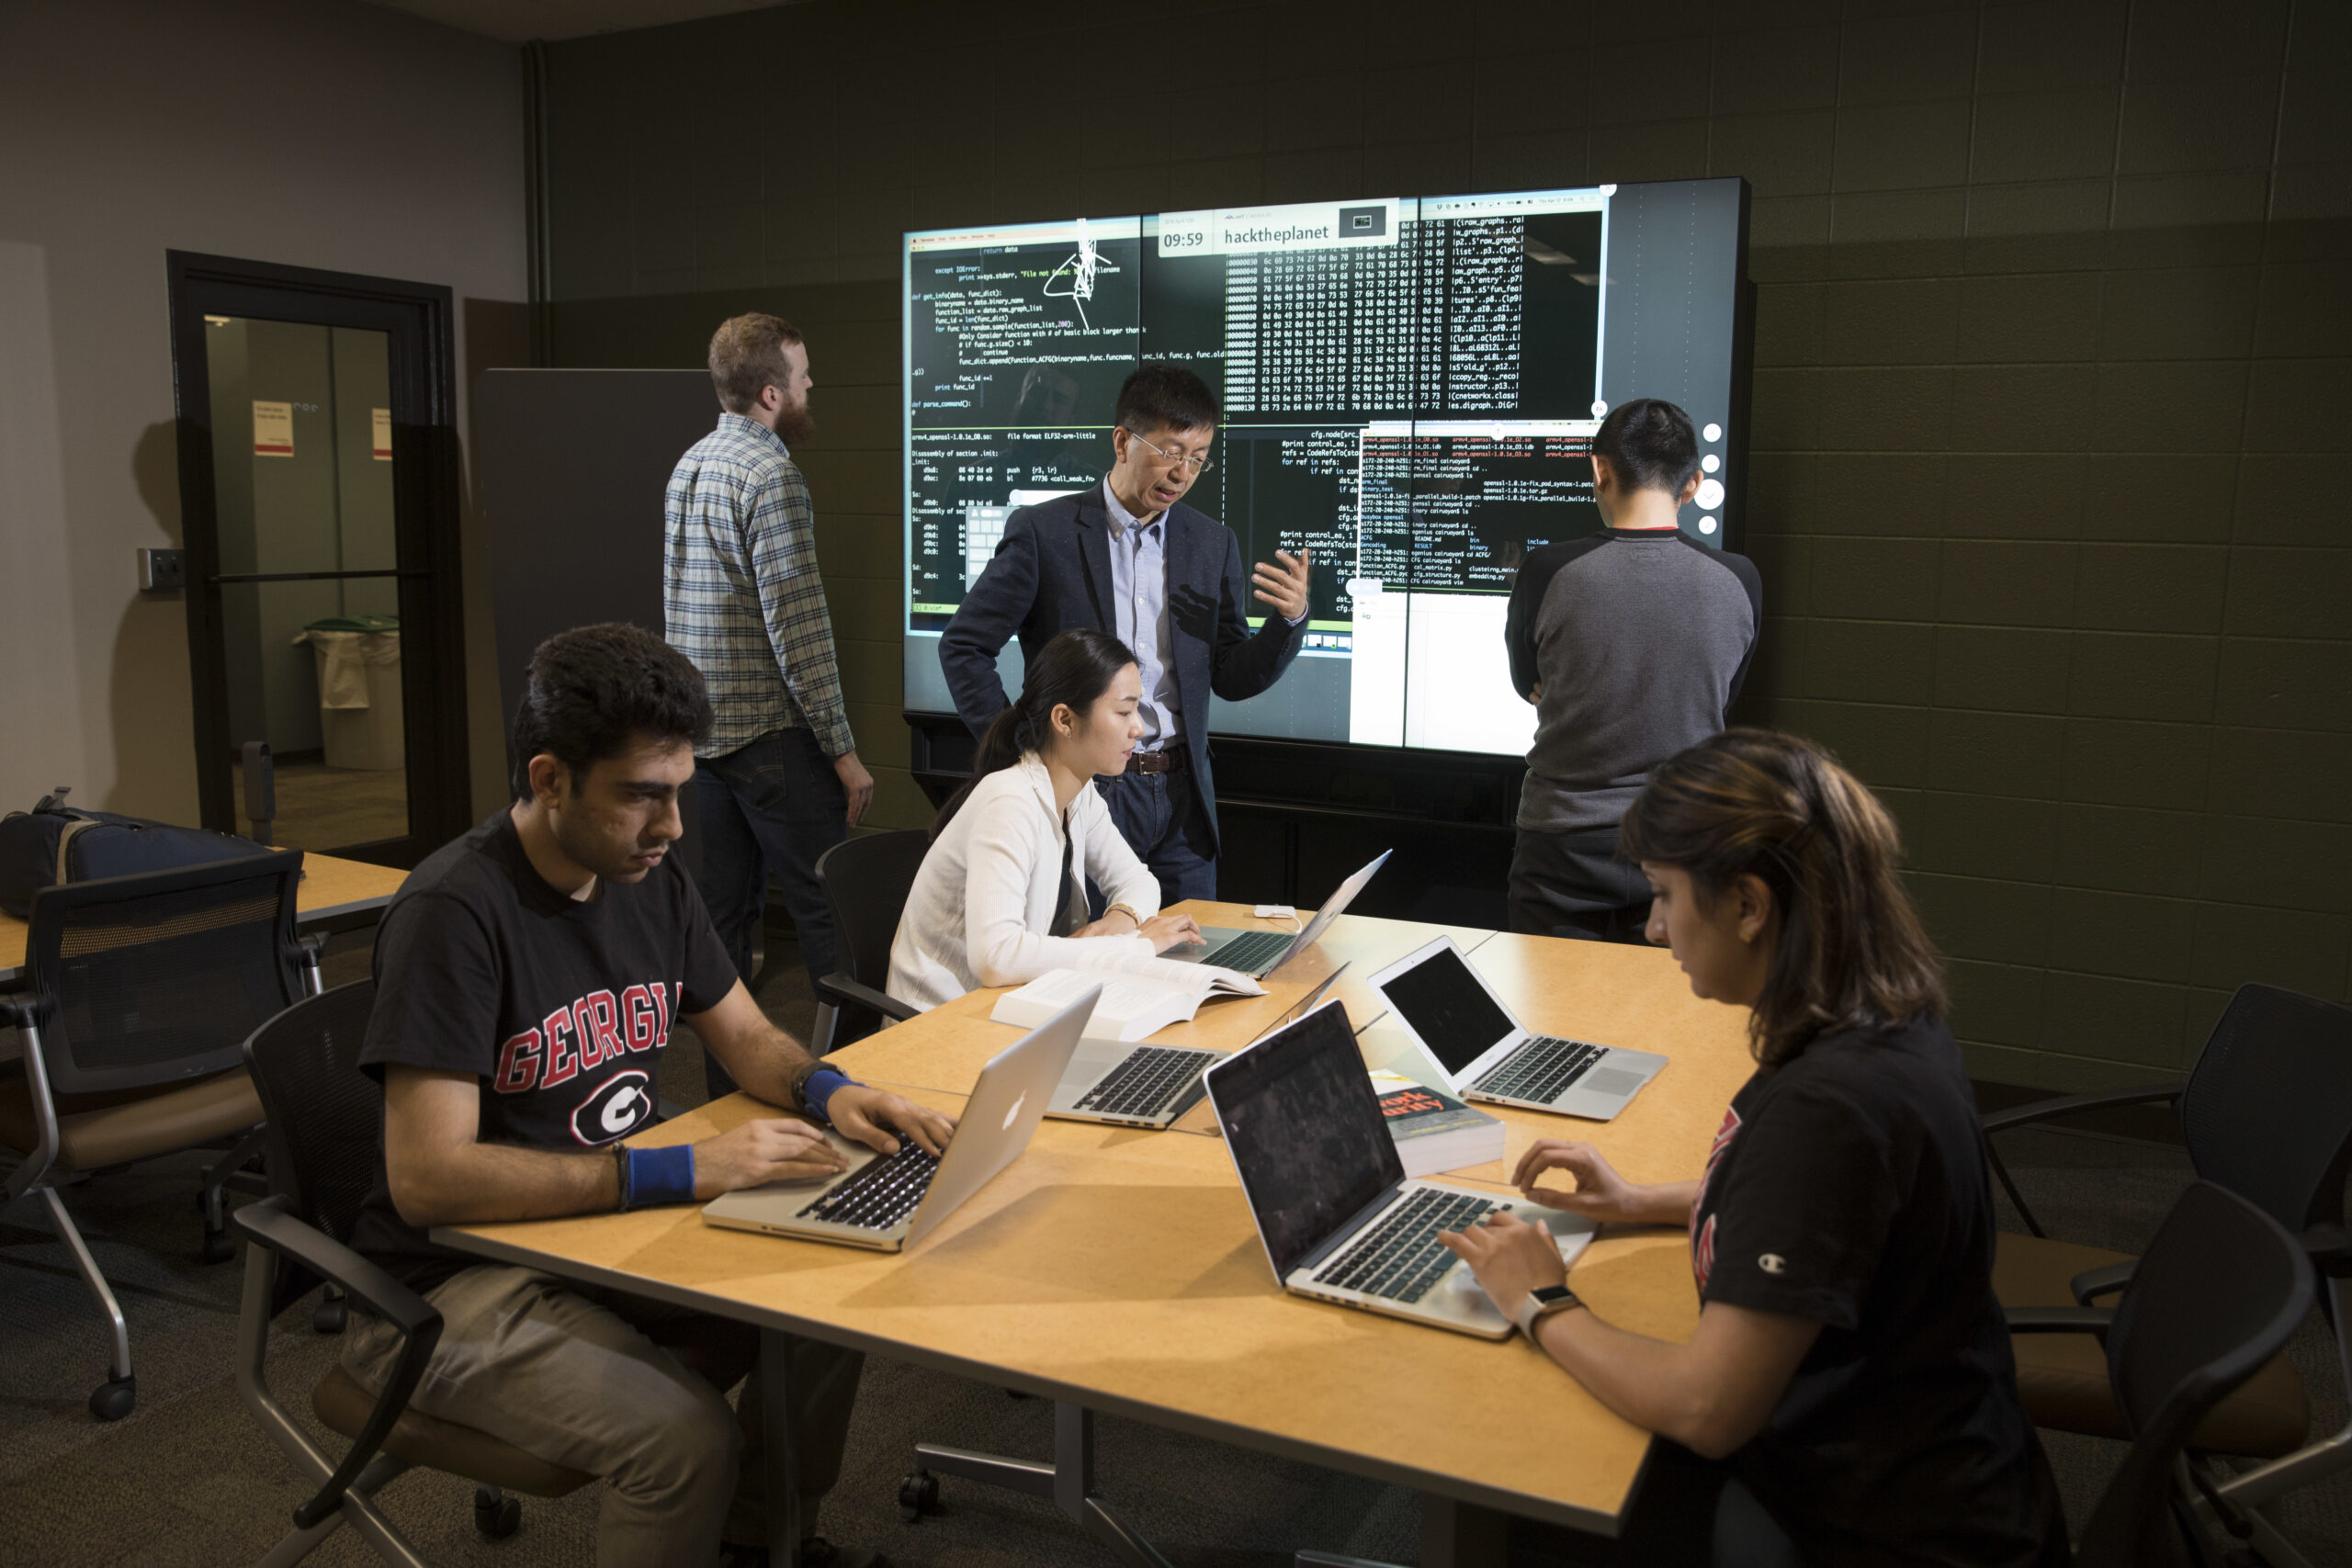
1542	1303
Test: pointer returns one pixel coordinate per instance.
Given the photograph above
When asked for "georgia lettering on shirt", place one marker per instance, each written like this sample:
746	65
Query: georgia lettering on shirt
580	1041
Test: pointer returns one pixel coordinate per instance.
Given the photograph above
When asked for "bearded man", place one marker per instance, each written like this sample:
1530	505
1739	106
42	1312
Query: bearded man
778	782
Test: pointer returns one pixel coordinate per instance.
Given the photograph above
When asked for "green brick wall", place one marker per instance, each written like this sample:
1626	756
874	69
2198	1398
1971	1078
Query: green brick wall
2053	380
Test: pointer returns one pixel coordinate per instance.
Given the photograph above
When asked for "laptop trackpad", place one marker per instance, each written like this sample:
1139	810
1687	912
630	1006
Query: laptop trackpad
1613	1081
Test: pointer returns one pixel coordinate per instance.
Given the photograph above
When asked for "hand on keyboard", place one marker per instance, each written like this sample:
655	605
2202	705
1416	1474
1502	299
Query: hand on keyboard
1509	1257
870	1115
760	1152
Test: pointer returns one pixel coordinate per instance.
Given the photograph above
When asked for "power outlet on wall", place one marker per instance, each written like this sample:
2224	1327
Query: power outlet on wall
161	570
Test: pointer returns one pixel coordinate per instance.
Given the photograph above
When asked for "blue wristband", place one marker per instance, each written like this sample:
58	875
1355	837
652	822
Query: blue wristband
817	1092
660	1176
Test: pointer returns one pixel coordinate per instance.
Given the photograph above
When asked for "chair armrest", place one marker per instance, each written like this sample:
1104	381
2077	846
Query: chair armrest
2103	1282
2330	1249
270	1224
16	1012
842	991
2059	1320
2070	1104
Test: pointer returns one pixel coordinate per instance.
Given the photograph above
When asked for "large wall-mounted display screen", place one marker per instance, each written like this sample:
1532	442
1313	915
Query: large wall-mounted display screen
1411	387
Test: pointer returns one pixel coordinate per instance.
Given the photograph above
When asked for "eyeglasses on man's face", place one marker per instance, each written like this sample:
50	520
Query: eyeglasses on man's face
1200	465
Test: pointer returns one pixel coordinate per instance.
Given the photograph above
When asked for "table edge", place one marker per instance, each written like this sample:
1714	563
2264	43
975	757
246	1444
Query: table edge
1347	1461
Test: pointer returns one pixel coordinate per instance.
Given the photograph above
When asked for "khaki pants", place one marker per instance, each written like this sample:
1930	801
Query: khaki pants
593	1379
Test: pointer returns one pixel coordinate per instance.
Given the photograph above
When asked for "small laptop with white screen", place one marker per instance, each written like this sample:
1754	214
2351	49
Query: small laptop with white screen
887	1201
1260	953
1338	1218
1146	1086
1485	1054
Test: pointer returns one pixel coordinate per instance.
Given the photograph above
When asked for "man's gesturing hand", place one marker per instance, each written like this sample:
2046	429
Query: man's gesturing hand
867	1115
1284	585
760	1152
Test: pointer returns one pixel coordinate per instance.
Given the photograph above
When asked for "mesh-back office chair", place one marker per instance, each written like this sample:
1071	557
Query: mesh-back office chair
140	991
865	880
323	1115
2221	1290
2266	1113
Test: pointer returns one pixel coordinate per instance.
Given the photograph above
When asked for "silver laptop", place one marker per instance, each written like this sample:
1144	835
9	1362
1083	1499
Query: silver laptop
1339	1220
1260	953
887	1201
1148	1086
1486	1055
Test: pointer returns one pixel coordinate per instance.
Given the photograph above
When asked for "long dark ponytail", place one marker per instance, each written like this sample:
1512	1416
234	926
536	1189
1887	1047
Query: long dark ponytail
1074	669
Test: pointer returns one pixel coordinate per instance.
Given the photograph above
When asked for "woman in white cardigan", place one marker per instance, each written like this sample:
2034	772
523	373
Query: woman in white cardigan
1002	896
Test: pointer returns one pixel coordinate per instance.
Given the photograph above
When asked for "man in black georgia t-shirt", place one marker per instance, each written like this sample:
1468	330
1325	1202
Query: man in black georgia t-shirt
561	1008
1849	1186
527	978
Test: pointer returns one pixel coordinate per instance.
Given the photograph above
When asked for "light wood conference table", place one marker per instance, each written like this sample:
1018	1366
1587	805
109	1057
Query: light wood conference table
333	892
1118	1270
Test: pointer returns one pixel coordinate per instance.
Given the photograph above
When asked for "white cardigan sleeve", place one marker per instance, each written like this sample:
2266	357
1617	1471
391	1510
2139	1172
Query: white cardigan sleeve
1111	861
1010	838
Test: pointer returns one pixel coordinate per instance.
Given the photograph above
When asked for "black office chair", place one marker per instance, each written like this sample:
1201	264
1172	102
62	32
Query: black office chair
865	880
323	1117
2221	1290
140	989
2266	1113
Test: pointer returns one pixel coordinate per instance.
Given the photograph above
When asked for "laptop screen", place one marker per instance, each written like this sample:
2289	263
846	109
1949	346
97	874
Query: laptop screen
1448	1009
1304	1126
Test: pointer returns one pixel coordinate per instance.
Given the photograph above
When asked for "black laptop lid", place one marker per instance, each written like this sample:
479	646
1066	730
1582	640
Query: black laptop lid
1448	1009
1302	1125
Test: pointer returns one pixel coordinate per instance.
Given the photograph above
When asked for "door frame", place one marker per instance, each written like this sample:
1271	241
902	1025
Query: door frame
420	321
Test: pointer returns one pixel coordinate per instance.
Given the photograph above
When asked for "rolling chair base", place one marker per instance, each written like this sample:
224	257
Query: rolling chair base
1067	1483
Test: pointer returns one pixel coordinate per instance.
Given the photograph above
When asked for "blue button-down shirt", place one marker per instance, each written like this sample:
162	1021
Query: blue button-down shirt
1139	615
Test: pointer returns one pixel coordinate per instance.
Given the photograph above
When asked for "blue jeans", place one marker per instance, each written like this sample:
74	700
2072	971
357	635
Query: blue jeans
767	809
1163	819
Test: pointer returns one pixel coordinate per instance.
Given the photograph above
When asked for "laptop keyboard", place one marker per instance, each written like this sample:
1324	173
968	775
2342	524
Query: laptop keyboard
1251	951
1401	1257
1540	1070
882	1194
1145	1082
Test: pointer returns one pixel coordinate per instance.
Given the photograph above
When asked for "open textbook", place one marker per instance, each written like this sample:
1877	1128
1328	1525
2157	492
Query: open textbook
1140	996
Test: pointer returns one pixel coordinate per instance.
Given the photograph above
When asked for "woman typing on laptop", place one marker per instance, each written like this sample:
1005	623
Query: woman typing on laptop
1002	896
1850	1362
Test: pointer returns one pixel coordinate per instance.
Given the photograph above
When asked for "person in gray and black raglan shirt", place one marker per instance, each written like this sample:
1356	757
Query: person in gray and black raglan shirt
1631	643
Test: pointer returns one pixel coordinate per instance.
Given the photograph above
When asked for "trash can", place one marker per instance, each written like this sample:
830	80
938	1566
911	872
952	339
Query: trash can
359	690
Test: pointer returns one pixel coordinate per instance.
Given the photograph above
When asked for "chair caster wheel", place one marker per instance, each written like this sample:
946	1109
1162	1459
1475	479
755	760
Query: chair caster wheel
918	1495
218	1245
112	1399
329	1317
497	1518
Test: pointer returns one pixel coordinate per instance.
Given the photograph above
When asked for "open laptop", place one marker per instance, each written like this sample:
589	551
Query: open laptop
1146	1086
1486	1055
887	1201
1260	953
1338	1218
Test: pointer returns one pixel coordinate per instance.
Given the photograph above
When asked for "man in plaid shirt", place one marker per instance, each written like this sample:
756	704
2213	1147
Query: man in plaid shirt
778	783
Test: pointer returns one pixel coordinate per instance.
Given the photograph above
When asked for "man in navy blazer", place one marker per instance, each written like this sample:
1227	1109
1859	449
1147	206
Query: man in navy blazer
1129	557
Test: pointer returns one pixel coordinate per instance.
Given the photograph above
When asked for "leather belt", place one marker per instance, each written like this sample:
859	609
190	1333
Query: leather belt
1170	761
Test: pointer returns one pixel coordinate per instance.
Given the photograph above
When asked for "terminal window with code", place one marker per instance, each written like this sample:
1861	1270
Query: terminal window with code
1410	386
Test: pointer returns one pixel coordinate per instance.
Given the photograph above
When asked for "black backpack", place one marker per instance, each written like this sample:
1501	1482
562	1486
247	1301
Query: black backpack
55	842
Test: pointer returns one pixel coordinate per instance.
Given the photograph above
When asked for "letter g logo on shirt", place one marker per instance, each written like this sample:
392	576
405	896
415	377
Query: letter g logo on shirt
621	1104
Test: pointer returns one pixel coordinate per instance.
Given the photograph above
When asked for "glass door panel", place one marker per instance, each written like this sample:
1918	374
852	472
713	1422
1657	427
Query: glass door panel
302	467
